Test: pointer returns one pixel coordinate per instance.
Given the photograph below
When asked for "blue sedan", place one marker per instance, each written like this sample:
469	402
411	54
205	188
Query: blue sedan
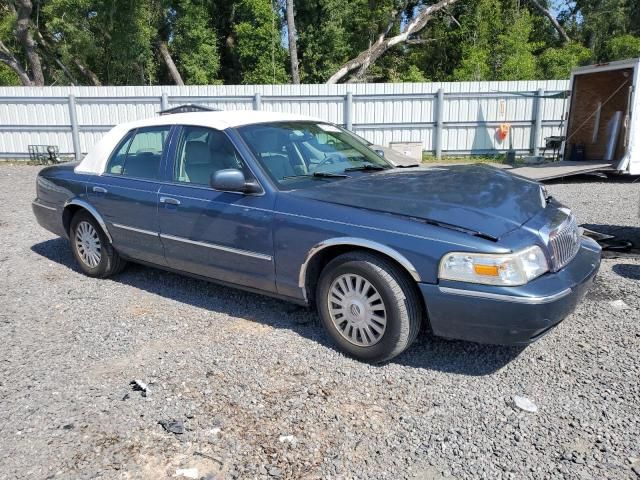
301	209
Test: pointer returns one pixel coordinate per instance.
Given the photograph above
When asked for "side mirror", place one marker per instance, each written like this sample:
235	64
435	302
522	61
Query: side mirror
233	180
379	152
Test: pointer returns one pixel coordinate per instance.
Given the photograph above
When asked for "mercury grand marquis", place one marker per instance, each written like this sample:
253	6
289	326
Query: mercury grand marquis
300	209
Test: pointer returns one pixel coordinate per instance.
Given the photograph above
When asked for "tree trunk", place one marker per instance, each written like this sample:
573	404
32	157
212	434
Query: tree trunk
46	48
10	60
293	47
26	40
91	76
173	70
382	44
552	19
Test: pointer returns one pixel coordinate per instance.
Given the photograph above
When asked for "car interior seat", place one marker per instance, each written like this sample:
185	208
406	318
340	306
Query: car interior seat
269	143
142	165
198	164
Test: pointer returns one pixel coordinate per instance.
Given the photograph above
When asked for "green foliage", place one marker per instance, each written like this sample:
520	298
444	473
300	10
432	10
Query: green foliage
8	77
244	41
324	31
514	50
623	47
557	63
259	50
195	44
500	47
7	22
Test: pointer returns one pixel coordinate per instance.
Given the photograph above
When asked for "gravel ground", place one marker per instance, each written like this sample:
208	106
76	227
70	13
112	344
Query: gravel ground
263	395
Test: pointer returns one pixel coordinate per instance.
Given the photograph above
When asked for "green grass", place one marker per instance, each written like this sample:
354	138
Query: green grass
430	158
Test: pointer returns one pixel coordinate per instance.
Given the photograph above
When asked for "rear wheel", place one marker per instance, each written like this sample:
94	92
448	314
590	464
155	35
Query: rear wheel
91	247
368	306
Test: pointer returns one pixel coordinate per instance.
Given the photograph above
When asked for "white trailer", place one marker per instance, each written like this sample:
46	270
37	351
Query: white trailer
602	127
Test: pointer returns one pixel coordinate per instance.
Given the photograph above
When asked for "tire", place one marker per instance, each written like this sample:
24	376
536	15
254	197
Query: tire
91	248
354	321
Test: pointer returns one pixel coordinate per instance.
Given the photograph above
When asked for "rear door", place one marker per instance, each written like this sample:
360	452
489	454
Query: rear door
126	195
223	235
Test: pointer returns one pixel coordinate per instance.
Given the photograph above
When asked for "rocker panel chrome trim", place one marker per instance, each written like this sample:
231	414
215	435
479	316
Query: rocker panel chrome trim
133	229
215	246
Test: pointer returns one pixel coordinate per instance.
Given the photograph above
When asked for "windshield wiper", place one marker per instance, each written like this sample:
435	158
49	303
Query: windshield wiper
366	166
317	175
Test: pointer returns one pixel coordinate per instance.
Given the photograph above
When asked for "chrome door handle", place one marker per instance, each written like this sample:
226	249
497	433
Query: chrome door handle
169	200
99	190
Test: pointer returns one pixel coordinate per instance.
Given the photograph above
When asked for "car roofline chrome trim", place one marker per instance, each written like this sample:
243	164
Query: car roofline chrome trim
134	229
215	246
355	242
91	209
506	298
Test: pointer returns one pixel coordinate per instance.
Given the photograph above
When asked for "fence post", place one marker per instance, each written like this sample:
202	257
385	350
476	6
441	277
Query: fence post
257	101
164	101
75	132
537	123
348	111
439	107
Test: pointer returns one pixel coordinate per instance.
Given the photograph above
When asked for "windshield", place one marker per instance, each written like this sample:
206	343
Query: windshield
297	153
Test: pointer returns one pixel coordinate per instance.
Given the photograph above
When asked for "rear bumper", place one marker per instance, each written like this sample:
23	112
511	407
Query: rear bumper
48	217
511	315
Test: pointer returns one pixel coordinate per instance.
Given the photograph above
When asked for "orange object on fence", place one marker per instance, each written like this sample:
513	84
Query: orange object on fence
503	131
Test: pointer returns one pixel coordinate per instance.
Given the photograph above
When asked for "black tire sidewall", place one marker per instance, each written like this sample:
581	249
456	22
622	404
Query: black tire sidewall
100	269
391	336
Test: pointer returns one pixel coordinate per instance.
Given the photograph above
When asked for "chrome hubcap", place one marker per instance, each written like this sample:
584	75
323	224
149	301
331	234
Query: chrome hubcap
88	244
357	310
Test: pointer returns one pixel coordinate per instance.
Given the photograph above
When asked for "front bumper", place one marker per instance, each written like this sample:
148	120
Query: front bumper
511	315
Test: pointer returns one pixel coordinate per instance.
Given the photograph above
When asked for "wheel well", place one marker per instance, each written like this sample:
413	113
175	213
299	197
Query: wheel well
68	213
324	256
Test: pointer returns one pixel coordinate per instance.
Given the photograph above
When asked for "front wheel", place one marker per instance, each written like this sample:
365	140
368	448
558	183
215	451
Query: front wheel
369	306
91	247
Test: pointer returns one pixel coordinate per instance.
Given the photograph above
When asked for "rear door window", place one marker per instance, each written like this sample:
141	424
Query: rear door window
139	153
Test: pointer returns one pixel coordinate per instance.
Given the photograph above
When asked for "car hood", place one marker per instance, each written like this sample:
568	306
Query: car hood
477	198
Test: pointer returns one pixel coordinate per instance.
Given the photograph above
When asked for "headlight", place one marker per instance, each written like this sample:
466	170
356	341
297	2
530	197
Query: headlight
494	269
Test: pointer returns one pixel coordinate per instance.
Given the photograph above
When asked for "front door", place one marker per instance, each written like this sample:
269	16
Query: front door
222	235
127	194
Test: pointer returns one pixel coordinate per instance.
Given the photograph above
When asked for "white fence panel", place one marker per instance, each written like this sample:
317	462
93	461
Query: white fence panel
464	115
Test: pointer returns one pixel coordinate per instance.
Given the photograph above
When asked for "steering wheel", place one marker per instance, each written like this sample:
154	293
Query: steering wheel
329	160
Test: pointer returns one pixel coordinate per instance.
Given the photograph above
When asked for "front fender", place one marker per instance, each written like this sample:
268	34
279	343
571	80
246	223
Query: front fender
303	228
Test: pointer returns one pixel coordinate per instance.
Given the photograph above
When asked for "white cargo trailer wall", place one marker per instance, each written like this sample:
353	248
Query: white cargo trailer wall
447	118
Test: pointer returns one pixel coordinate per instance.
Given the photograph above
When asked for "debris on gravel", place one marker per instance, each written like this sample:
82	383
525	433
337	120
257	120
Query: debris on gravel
140	386
242	370
173	426
619	305
523	403
187	473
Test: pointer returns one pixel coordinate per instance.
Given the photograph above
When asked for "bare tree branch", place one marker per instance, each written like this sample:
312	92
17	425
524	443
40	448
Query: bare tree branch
293	47
46	47
26	40
382	44
173	70
88	73
420	41
10	60
553	20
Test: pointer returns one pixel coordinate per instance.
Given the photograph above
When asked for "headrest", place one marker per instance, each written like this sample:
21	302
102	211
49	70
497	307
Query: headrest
197	153
269	140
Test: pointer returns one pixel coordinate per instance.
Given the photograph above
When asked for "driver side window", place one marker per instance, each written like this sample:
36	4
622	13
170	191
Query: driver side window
202	152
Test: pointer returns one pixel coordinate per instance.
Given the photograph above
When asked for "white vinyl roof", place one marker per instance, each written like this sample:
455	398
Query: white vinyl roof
95	161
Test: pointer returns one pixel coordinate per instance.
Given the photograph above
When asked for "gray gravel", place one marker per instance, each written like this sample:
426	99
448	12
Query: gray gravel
262	394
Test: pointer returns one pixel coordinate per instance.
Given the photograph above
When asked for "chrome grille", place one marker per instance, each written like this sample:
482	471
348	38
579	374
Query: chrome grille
564	243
